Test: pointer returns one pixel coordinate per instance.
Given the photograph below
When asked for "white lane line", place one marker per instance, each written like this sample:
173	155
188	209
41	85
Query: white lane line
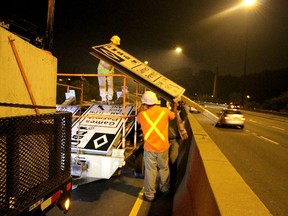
278	128
252	121
269	140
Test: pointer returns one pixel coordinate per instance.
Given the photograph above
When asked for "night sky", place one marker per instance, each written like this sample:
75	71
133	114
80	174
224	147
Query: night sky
209	33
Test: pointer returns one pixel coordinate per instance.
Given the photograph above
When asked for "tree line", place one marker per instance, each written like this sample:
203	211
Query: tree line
265	90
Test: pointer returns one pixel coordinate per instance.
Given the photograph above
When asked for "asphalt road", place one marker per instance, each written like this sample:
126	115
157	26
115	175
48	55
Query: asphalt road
259	153
118	196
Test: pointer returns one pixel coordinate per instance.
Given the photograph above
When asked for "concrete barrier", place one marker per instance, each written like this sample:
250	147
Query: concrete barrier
207	183
40	70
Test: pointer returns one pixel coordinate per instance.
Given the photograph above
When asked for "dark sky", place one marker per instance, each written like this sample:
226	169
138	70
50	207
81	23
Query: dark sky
209	34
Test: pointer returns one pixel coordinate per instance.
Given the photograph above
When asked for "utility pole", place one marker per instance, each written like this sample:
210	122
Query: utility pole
245	64
50	25
248	4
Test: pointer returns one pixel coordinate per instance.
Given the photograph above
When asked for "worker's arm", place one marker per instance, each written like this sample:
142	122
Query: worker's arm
106	65
180	123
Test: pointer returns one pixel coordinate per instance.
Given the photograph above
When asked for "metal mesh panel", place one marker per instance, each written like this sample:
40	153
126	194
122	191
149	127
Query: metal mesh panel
35	154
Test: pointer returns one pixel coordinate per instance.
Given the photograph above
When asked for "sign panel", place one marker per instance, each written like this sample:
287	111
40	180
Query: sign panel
98	133
72	109
139	68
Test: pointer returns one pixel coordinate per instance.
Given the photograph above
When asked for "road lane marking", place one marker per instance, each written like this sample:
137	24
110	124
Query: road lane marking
278	128
134	211
269	140
252	121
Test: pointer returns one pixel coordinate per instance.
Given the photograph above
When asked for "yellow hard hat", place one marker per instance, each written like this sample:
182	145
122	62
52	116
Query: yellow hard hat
115	39
149	98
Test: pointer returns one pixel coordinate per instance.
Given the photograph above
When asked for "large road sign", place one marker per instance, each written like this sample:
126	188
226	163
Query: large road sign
98	134
138	70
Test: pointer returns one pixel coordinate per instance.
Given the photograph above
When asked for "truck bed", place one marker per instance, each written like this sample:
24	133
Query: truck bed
34	162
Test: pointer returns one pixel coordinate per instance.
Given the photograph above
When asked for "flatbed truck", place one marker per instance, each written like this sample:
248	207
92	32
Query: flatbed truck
35	163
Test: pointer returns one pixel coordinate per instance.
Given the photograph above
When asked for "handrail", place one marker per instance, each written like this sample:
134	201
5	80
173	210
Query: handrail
123	116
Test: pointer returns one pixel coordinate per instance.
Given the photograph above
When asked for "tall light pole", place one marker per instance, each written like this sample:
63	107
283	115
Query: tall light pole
215	83
248	4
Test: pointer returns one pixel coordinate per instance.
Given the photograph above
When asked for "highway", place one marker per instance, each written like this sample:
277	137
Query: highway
120	195
259	153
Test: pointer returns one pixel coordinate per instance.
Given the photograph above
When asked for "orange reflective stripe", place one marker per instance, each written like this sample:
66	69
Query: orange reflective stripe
154	125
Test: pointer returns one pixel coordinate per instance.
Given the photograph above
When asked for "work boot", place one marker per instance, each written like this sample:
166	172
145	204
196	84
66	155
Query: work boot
149	199
164	189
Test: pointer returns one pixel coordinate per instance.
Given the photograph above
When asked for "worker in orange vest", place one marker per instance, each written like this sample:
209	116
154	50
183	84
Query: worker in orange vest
154	122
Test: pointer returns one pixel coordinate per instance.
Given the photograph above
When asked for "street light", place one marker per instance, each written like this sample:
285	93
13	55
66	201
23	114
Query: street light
178	50
248	4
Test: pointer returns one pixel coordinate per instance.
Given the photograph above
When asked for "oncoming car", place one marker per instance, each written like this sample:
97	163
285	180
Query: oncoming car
193	110
232	117
233	106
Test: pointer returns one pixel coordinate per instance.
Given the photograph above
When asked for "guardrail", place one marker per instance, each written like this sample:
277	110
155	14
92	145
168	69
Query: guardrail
267	112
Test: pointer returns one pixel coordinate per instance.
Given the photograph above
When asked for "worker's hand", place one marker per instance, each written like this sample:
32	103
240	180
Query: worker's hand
184	135
181	127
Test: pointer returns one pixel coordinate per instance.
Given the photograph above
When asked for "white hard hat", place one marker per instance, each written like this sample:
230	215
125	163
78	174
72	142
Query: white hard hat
115	39
149	98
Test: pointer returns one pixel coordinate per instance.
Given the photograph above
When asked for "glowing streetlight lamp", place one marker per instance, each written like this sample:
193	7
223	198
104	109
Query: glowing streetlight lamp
249	2
178	50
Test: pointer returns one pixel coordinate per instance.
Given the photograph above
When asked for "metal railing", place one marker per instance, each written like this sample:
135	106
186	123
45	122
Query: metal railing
124	117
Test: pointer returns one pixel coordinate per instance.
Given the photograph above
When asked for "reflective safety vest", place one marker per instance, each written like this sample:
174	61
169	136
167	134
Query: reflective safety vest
154	126
105	68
